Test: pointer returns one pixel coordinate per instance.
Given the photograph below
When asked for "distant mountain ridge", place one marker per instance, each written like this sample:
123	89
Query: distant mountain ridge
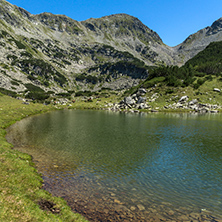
58	54
199	40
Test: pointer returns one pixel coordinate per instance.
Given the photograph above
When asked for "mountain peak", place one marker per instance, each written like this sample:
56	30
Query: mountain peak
215	27
123	25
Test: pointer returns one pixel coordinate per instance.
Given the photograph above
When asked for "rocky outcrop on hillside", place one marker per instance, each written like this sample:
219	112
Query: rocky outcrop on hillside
140	101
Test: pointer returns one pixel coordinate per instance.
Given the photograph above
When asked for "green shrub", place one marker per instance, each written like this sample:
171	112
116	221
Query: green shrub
83	93
37	96
8	92
33	88
32	78
14	83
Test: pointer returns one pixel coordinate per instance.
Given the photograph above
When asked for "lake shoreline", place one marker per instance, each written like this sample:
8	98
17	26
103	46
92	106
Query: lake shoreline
22	196
116	210
96	215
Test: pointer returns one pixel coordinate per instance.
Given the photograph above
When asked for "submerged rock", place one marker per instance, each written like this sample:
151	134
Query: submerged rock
140	207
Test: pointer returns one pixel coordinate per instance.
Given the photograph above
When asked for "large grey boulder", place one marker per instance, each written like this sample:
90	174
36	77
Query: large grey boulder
141	100
129	101
143	106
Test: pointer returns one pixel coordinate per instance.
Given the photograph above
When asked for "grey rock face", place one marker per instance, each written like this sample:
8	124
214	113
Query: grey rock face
63	50
141	100
57	53
199	41
129	101
183	99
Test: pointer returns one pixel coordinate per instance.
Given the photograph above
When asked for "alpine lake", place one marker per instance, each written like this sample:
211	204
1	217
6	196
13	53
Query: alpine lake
128	167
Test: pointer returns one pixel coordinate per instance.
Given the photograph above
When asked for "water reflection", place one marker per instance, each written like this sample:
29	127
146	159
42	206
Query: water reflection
147	159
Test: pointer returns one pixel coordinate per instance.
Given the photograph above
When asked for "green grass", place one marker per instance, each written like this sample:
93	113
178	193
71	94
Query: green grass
204	94
20	184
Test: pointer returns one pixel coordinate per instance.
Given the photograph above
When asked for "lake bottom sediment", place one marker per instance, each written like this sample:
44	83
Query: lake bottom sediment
109	206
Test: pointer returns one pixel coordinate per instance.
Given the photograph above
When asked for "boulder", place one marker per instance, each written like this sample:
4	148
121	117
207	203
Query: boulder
141	100
203	110
216	90
214	111
142	91
143	106
129	101
193	102
183	99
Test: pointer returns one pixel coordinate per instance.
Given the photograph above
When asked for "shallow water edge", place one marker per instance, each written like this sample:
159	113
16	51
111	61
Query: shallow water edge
110	208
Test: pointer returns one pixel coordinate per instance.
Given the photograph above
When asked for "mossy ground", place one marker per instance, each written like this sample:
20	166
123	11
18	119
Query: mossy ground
20	184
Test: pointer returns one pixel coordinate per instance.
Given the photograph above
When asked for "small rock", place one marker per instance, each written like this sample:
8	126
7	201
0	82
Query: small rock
117	201
26	103
183	218
171	213
132	208
193	102
194	216
142	91
106	211
140	207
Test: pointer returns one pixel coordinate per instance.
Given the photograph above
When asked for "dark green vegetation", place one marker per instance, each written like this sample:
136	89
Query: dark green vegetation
36	93
208	61
203	67
22	198
197	79
38	67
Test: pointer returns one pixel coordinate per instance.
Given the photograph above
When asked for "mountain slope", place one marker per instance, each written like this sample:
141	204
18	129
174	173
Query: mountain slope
53	54
199	41
59	54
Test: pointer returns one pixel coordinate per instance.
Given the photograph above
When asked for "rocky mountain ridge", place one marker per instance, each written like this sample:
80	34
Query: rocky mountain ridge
57	54
199	40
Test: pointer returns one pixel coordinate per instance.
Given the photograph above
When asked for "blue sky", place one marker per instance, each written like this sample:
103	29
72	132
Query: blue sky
173	20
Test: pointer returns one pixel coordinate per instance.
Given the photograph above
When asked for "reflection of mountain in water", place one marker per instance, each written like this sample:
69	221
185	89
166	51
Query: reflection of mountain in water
161	157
